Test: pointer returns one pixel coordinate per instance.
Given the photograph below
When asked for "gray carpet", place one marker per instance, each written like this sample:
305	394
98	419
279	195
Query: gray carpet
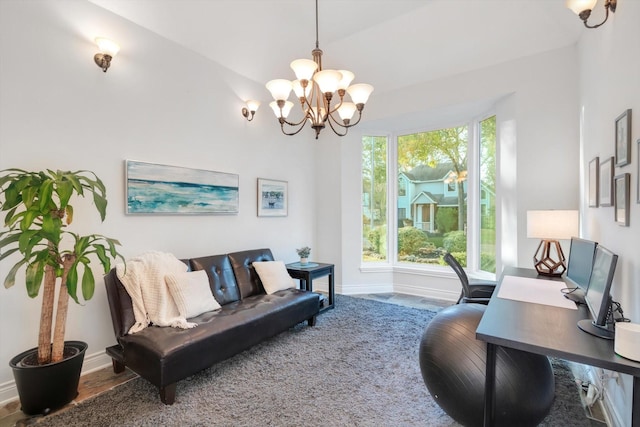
357	367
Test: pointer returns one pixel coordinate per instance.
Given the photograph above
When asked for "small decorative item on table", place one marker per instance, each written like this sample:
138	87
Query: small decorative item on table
303	253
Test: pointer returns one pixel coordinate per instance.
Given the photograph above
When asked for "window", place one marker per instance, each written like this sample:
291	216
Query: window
402	187
436	161
374	198
487	137
444	196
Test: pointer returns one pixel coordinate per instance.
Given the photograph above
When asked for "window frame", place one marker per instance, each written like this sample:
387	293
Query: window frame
473	201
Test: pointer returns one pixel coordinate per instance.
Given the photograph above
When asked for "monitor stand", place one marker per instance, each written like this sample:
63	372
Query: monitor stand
576	295
589	327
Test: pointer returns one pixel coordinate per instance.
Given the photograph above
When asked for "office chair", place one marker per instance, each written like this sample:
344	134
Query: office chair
473	291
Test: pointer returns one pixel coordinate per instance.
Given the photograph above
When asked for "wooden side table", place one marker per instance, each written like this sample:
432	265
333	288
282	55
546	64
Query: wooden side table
306	274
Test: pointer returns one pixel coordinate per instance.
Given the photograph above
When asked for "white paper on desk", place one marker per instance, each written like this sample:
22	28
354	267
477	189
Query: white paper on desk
537	291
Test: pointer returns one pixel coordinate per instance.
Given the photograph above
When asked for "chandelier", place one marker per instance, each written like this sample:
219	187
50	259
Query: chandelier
315	89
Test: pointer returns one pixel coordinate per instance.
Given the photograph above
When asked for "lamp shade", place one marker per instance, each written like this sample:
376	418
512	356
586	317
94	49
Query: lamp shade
252	105
107	47
279	88
328	80
552	224
304	68
286	109
347	110
578	6
347	78
360	93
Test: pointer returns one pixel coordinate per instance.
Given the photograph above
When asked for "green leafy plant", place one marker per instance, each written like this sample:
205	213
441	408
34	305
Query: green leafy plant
38	211
410	240
304	252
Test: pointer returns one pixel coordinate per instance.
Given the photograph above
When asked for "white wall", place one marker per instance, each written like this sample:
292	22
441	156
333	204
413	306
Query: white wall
157	103
609	84
537	99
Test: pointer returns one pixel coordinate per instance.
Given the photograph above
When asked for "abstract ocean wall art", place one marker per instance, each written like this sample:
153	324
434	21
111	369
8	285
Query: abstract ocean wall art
162	189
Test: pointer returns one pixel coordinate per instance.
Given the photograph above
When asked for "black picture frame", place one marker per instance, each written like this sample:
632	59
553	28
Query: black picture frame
621	188
606	182
594	182
623	139
638	172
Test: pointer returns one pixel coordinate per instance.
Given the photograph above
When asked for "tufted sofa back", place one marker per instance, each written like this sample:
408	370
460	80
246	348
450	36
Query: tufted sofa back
231	278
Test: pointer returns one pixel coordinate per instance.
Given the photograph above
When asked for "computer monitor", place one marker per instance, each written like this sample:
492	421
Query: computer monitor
579	268
597	297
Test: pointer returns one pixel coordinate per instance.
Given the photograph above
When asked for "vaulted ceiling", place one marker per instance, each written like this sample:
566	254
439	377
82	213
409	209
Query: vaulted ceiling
387	43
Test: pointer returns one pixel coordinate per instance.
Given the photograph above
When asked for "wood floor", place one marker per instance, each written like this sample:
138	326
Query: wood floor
99	381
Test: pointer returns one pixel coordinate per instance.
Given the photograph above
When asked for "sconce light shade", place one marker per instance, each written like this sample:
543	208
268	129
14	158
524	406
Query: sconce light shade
250	110
551	226
578	6
583	9
108	49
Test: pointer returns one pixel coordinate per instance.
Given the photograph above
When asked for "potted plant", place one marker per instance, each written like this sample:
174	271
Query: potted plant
38	211
303	253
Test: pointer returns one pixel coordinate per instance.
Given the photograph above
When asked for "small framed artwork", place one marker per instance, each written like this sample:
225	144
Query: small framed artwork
606	182
273	197
621	185
594	182
623	138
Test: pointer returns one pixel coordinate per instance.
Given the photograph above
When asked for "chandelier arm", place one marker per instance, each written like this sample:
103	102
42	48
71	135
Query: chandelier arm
331	119
301	122
336	131
282	123
350	125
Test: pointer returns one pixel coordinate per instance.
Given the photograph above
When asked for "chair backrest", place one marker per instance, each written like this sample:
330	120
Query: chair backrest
464	280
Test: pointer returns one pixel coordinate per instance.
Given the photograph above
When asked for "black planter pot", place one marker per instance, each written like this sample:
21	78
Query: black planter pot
45	388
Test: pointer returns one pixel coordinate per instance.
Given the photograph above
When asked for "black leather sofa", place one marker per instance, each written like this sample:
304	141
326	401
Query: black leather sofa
165	355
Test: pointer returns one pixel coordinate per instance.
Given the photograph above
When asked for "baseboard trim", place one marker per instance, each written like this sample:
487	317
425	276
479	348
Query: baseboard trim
421	291
92	362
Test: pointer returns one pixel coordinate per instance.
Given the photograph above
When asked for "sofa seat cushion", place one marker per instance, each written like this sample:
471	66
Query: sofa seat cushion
219	335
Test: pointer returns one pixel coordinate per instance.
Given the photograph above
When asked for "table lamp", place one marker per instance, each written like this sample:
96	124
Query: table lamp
551	226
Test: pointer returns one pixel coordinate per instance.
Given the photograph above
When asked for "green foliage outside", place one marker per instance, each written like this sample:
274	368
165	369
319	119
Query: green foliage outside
446	219
411	240
455	241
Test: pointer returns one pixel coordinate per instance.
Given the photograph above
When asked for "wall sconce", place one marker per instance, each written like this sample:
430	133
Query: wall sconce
108	49
583	9
551	226
250	110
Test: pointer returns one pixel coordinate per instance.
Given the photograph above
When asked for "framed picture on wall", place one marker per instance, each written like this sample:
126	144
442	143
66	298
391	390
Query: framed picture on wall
153	188
594	182
606	182
273	197
638	173
621	185
623	138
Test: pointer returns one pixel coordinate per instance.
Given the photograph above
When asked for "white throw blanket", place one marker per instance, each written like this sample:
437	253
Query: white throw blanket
143	278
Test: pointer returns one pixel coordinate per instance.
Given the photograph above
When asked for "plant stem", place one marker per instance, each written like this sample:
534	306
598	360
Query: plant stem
46	315
61	311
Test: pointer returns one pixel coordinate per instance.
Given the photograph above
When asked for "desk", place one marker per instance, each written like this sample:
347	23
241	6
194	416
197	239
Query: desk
307	274
546	330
